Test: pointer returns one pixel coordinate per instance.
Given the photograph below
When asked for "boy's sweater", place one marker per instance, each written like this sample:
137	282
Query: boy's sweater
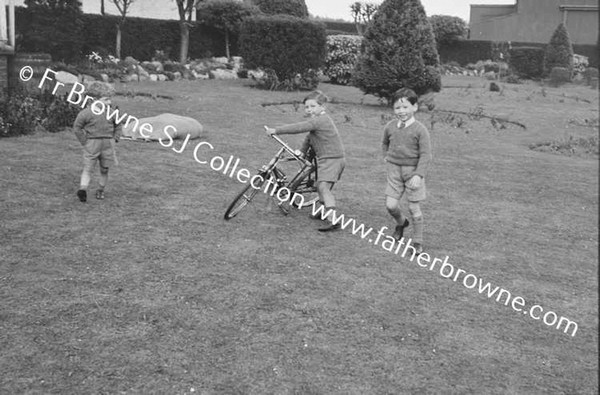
323	135
88	125
409	146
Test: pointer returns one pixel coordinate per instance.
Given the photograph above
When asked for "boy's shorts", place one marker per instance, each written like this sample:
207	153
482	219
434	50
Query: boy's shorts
97	150
397	177
330	169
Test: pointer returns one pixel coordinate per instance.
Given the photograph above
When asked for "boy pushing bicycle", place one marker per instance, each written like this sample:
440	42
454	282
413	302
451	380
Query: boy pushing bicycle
325	140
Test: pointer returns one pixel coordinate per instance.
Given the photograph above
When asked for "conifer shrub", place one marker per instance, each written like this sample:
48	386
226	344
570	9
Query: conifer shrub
398	50
559	52
291	49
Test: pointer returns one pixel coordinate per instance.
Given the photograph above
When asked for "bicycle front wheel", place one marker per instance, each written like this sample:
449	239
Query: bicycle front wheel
242	200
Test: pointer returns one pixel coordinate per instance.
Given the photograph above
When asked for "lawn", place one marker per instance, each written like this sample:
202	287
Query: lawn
151	292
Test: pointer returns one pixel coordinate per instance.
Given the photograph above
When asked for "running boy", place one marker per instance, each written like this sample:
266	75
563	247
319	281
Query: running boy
97	136
407	151
325	140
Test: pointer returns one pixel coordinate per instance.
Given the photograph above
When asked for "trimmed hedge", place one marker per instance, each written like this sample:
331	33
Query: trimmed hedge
141	37
470	51
527	62
286	45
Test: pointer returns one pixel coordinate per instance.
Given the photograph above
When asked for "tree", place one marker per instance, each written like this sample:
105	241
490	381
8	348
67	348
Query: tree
185	8
295	8
448	29
225	15
559	52
398	50
55	28
362	14
123	7
101	7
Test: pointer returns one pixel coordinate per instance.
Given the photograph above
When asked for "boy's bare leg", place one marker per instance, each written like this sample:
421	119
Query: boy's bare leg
325	194
84	183
393	207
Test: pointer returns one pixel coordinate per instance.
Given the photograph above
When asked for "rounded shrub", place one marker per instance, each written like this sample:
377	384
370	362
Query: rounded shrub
342	55
295	8
527	62
398	50
560	75
290	48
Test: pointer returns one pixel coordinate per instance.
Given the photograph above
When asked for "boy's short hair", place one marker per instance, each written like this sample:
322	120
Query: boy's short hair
406	93
318	96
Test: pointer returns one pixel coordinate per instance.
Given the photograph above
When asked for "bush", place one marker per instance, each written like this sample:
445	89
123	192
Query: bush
560	75
22	112
286	45
342	54
527	62
559	52
295	8
589	74
53	27
398	50
447	29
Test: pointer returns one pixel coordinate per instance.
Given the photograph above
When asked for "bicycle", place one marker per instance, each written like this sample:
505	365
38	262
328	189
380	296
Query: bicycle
302	186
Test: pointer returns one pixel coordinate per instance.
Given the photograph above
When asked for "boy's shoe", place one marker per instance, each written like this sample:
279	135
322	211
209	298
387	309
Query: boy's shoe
331	227
419	248
100	194
399	231
82	195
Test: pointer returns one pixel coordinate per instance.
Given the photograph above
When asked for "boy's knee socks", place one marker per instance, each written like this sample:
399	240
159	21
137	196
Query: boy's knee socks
418	229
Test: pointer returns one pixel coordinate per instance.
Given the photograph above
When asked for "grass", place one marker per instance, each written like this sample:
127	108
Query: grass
151	291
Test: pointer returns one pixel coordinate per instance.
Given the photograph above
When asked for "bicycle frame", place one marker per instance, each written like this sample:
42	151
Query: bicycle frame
271	167
301	183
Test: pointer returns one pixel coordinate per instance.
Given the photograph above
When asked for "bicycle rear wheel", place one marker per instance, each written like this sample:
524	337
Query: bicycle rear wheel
242	199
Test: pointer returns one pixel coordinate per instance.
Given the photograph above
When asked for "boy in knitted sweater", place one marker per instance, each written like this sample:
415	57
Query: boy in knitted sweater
97	136
324	139
407	151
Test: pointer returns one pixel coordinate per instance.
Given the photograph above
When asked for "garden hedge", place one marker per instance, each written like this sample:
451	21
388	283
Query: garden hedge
287	45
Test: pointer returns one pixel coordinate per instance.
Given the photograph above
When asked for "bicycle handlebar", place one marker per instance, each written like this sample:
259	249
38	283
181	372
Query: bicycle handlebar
289	149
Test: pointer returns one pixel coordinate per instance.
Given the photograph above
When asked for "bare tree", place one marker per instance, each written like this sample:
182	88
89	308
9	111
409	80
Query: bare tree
101	7
123	7
186	9
362	14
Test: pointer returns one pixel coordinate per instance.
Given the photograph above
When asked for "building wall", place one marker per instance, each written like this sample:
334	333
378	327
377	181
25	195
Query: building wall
534	21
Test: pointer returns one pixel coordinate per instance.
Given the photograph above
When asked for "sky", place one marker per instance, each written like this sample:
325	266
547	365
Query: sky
340	9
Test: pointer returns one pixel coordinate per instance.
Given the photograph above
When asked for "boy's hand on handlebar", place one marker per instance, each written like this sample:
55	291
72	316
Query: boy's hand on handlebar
270	131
